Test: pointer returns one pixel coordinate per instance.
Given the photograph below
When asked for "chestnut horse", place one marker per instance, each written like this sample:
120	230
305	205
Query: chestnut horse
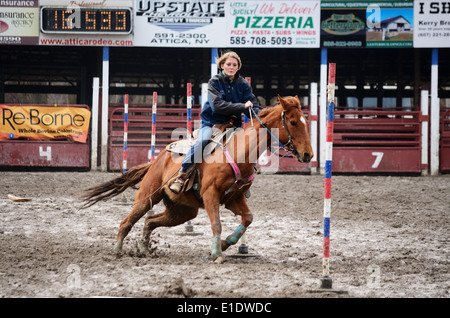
223	180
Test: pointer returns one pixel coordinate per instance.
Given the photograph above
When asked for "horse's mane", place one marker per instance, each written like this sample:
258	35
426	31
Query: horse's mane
289	99
267	110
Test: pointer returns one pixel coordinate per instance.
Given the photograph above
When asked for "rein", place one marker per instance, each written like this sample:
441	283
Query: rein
289	146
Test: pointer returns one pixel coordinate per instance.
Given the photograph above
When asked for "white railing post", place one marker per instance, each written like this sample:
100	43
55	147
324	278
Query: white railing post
424	143
94	123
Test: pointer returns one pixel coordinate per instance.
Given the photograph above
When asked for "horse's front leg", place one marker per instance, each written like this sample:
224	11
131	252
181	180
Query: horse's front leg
211	201
239	207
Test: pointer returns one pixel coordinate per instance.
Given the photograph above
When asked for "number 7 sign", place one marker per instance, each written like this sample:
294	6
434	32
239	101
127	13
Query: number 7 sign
378	157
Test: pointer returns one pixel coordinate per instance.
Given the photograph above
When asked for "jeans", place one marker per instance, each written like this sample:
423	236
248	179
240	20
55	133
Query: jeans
195	154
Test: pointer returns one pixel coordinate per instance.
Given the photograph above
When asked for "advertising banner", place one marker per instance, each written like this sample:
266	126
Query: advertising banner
432	24
19	22
179	23
86	23
43	123
367	24
289	24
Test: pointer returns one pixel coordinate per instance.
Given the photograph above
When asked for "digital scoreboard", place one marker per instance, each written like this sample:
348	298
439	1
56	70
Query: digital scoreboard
86	20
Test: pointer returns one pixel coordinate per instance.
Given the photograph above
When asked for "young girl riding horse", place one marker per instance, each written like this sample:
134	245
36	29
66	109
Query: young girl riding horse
229	95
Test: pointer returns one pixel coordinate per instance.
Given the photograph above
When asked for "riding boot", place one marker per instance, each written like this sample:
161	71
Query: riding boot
178	184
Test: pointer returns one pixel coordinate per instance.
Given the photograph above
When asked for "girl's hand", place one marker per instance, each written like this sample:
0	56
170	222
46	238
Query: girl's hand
248	104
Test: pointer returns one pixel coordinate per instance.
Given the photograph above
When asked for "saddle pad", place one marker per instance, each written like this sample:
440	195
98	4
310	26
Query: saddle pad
180	147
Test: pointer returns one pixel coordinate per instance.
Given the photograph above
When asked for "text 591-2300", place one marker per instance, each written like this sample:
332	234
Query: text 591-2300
197	39
246	307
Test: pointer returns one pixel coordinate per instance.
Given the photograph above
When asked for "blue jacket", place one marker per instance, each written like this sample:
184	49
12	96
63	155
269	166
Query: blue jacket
226	98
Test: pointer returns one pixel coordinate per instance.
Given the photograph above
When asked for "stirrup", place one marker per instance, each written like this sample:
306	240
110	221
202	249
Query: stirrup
180	182
178	185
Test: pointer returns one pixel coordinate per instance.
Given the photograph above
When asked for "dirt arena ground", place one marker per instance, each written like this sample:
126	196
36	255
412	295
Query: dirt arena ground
389	238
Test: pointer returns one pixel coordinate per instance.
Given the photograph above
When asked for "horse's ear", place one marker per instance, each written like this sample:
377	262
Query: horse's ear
298	99
282	101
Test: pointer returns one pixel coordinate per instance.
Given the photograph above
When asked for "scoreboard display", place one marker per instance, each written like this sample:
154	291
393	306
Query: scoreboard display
86	20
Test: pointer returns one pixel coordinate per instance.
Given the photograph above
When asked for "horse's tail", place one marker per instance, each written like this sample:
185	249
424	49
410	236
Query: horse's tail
114	187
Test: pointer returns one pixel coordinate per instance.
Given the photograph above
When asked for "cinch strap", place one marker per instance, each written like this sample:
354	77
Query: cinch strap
233	164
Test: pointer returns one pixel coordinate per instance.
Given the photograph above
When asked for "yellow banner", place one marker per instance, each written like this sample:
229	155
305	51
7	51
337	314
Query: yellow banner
41	122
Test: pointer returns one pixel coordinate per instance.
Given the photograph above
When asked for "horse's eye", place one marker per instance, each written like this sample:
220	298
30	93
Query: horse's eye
293	123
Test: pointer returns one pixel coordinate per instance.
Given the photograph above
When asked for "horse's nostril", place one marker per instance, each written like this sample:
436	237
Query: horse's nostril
307	157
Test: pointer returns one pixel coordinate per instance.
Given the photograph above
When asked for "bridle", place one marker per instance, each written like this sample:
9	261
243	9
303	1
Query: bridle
289	146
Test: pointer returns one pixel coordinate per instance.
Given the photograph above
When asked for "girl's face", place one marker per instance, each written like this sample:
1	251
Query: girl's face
230	67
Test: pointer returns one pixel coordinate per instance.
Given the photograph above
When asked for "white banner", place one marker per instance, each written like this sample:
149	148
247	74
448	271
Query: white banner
289	24
179	23
227	23
19	22
431	23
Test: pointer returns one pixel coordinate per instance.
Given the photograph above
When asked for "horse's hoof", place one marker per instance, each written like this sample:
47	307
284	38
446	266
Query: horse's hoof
143	247
219	260
118	248
224	245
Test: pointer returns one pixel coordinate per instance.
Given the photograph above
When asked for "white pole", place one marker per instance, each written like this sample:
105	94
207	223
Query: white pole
323	108
434	118
213	61
313	123
204	93
424	111
94	123
105	106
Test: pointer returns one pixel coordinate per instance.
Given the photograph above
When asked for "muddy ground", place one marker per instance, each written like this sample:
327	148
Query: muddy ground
389	238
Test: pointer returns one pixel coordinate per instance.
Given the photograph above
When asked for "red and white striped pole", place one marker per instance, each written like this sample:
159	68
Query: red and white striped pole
189	110
154	106
125	134
326	281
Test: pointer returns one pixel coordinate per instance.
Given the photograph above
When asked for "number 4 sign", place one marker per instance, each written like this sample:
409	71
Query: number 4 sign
47	153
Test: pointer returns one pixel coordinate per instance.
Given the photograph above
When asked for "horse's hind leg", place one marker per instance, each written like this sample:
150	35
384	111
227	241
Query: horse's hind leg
141	205
149	195
172	216
127	224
